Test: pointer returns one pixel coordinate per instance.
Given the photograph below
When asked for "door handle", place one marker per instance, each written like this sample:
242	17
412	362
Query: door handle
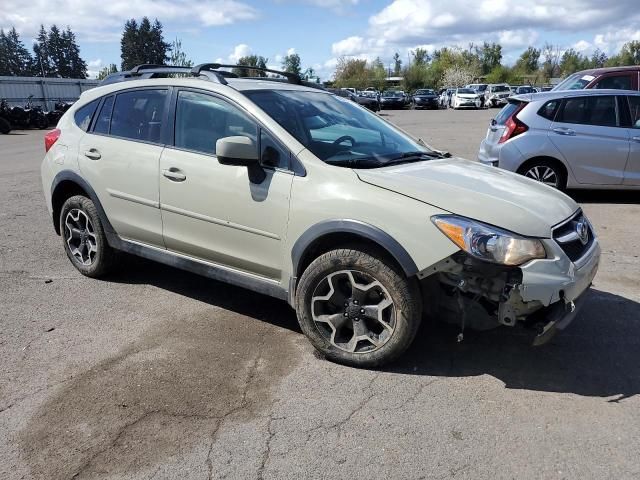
93	154
564	131
174	174
636	139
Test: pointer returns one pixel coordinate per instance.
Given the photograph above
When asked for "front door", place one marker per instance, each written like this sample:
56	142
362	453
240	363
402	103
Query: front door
212	211
588	134
120	155
632	173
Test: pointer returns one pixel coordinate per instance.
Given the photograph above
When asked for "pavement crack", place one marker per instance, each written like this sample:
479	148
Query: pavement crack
266	456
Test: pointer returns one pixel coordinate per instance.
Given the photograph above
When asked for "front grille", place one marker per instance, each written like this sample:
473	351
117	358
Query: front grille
567	237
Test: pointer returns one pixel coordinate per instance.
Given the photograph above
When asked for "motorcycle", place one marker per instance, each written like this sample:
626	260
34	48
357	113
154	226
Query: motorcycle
60	108
5	124
35	115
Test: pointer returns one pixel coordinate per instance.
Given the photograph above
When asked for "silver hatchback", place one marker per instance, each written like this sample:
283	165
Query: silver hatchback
569	139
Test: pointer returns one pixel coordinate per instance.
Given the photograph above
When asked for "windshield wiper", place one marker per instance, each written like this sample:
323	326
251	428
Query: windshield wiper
361	162
417	156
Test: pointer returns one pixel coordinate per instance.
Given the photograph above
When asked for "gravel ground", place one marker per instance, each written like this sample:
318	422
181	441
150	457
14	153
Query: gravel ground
158	373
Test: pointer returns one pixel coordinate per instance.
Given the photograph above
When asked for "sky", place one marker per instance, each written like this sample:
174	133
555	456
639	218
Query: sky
321	31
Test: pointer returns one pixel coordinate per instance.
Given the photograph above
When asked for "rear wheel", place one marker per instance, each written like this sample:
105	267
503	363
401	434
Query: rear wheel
356	309
83	237
545	171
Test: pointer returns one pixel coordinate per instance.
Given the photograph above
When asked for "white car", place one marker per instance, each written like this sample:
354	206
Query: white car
465	98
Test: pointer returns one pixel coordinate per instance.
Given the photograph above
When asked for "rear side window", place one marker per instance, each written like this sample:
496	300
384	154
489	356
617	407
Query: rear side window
104	117
84	115
506	112
634	106
594	110
615	82
138	115
549	109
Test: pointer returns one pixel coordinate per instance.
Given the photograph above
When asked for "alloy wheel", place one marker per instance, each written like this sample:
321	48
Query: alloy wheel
80	236
544	174
353	311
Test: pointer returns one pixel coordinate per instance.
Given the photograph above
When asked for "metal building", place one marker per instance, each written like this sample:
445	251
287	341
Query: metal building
46	91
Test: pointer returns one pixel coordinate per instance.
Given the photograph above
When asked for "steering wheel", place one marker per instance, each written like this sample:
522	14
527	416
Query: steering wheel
344	138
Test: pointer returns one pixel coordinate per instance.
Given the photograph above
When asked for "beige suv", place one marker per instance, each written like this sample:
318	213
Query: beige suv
286	189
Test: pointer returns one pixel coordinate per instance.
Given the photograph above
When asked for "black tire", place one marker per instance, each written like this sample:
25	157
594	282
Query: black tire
5	126
541	165
405	314
102	261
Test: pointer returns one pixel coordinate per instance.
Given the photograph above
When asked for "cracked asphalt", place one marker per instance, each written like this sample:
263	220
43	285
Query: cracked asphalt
158	373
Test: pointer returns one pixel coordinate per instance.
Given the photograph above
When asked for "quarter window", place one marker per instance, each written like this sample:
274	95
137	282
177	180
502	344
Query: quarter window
201	120
138	115
616	82
104	117
271	153
634	105
593	110
549	109
84	114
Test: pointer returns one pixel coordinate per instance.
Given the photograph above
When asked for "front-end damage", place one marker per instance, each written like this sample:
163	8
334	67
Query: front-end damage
543	295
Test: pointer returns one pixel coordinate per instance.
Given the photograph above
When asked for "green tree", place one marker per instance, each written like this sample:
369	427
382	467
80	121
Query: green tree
177	56
351	72
251	61
42	57
14	57
143	43
489	55
420	56
572	61
551	60
397	64
291	63
598	59
630	53
528	61
74	65
106	71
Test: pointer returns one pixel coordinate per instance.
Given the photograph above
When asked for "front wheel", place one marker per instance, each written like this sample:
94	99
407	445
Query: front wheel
356	309
83	237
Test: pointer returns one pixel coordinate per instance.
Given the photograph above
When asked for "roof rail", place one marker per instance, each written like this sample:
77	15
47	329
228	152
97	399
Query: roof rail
149	70
212	67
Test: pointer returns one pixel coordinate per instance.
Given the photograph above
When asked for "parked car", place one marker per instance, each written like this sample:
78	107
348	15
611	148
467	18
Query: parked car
465	98
480	89
369	100
617	78
392	99
522	89
424	98
569	139
296	193
496	94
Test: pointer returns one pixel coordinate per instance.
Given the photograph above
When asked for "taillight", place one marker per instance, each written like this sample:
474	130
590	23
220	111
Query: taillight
51	138
513	126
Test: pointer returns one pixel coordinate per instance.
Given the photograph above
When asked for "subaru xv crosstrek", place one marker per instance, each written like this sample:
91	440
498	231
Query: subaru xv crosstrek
291	191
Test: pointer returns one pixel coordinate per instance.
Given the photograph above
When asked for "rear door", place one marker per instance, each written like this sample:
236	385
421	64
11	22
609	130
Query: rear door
120	156
627	80
588	133
632	172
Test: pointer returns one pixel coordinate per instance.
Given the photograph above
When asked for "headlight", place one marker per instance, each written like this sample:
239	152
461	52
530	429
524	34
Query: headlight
489	243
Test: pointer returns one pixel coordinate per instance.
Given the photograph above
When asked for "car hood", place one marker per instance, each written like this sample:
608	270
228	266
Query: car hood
426	97
467	95
477	191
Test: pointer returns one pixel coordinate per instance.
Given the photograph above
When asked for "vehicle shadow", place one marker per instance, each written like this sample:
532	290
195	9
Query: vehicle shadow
605	196
598	355
138	270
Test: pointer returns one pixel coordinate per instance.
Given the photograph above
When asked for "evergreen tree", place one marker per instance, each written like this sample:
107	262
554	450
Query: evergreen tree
106	71
14	57
56	53
75	65
177	56
42	59
397	64
143	43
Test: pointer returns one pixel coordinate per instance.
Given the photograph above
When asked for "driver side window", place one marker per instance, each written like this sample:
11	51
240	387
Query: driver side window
202	119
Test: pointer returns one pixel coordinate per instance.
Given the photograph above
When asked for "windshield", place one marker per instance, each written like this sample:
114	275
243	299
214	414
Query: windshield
466	90
339	131
577	81
391	93
425	92
500	88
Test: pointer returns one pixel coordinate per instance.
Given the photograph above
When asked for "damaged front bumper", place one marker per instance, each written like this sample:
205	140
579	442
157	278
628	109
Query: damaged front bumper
543	294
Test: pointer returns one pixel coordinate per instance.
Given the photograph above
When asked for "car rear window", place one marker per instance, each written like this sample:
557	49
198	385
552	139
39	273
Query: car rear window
84	114
506	112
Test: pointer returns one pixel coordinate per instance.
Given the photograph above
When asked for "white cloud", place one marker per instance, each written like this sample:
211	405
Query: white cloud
239	51
103	21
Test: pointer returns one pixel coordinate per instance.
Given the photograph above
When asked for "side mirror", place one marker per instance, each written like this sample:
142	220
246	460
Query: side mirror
243	152
238	150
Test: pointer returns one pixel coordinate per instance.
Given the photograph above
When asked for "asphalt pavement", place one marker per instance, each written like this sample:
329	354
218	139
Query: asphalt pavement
159	373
